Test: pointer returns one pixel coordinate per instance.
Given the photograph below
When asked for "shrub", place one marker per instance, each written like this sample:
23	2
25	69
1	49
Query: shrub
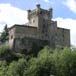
4	49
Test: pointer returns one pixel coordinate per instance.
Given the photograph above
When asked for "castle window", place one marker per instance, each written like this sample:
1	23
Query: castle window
63	35
11	36
41	12
42	29
46	34
33	20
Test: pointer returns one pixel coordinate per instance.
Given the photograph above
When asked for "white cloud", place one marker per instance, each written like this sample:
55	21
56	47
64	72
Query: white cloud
47	1
71	4
69	24
11	15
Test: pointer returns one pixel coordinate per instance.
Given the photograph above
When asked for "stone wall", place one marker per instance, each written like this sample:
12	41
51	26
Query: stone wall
52	30
63	37
28	44
29	31
11	37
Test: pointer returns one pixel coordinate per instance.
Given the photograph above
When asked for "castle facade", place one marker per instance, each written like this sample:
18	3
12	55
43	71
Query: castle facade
40	31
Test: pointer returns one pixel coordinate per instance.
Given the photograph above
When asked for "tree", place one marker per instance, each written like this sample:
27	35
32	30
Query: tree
3	68
4	34
16	68
56	62
40	66
64	61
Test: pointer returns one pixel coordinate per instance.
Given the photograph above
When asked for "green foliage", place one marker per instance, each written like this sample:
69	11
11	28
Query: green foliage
16	68
3	68
63	61
58	62
4	49
4	35
40	66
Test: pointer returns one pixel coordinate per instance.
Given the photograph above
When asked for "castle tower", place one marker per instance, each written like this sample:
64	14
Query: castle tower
40	17
33	16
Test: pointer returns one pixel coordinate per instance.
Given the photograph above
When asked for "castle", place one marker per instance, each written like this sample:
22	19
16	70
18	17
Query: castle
40	31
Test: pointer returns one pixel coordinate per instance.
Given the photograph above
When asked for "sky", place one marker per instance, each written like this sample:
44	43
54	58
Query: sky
15	12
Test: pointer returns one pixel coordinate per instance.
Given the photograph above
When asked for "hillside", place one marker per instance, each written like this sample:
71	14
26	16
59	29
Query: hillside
48	62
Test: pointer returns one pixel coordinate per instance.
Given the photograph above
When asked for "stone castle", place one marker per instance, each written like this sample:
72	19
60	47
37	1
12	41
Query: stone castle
40	31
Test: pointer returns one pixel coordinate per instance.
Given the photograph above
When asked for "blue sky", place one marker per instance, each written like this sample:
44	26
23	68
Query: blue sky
15	12
59	9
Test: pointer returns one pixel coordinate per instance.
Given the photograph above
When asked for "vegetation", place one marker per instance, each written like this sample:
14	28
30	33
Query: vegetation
4	49
48	62
4	35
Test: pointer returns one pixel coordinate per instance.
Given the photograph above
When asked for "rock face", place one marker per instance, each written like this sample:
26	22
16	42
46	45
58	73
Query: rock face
40	31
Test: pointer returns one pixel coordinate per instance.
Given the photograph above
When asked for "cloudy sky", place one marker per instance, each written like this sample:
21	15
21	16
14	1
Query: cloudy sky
15	12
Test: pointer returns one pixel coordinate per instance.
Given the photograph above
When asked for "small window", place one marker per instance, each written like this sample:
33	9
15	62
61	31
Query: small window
63	35
11	36
41	12
43	31
33	20
46	34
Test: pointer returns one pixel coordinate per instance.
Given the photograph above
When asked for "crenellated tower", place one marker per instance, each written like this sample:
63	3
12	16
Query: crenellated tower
39	17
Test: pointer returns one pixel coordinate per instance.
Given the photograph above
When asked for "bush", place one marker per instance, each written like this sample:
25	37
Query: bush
48	62
4	49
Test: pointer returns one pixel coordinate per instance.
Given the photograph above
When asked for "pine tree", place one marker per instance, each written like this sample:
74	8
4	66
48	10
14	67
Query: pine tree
4	34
